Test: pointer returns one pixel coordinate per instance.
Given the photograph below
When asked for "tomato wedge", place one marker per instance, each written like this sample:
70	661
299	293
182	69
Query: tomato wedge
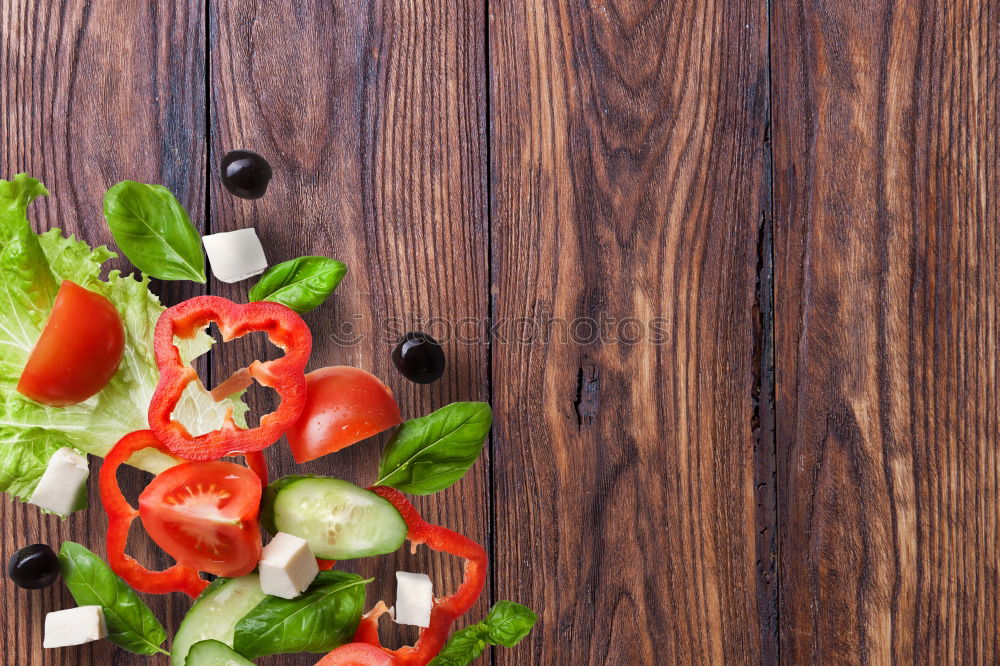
204	515
358	654
343	405
78	351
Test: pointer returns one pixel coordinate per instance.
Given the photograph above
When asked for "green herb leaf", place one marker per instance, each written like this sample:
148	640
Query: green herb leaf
323	617
302	284
92	583
153	230
433	452
506	624
464	647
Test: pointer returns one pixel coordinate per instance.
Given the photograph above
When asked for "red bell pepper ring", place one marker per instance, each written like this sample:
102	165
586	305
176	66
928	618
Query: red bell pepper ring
286	374
121	514
178	578
255	461
446	610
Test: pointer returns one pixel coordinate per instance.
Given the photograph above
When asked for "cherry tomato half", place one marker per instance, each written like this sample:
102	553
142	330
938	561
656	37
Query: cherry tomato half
357	654
343	405
204	515
78	351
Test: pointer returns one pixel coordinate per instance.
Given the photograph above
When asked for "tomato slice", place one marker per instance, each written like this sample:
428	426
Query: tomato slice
357	654
343	405
204	515
78	351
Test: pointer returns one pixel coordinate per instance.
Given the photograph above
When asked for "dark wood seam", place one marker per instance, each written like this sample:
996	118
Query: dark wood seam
491	521
766	449
208	165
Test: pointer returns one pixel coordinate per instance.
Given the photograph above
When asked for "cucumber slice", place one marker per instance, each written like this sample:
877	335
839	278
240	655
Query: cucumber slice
214	653
215	613
339	520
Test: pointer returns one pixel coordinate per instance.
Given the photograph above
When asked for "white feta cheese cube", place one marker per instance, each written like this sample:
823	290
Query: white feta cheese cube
61	488
414	599
235	255
74	626
287	566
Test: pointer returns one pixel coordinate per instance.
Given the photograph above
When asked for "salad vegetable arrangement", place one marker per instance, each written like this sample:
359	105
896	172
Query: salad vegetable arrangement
95	365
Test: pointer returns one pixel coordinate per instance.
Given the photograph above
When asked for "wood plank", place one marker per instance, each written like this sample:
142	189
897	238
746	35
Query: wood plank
628	169
90	95
886	245
372	115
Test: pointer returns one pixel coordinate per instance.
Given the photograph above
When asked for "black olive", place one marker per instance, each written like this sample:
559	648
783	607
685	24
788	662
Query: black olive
33	567
245	174
419	358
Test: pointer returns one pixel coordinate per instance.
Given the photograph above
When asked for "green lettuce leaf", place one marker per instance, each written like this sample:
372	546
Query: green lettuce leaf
31	268
24	454
27	286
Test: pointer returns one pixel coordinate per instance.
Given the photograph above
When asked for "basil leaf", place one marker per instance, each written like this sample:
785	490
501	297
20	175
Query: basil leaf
509	622
323	617
464	647
506	624
154	232
302	284
433	452
92	583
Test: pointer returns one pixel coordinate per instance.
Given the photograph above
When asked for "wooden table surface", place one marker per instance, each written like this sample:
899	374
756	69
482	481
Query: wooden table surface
741	261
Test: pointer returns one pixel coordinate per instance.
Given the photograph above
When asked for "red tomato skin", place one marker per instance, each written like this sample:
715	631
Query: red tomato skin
78	351
233	537
357	654
343	405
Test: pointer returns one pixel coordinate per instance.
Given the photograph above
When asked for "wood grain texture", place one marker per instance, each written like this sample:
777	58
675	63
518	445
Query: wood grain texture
373	117
90	95
628	172
886	273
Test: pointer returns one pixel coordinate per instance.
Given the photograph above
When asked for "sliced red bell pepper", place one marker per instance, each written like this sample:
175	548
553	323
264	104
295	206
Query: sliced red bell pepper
286	375
258	465
445	610
121	514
